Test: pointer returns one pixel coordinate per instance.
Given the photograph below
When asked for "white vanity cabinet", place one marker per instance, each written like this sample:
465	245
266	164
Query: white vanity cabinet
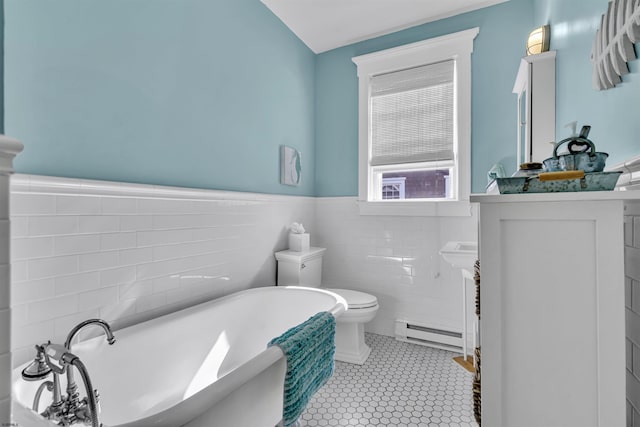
552	309
535	87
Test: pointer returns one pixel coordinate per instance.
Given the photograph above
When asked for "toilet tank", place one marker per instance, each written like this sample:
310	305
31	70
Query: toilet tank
300	268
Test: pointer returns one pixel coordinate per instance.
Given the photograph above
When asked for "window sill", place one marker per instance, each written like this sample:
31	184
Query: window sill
416	208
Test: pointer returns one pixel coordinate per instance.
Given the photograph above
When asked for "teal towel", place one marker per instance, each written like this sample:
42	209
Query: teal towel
309	349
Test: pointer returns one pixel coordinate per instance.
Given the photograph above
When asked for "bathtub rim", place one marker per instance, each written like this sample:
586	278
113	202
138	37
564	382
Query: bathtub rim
337	310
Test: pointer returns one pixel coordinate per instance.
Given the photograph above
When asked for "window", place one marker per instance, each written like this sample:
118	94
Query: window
393	188
415	125
411	115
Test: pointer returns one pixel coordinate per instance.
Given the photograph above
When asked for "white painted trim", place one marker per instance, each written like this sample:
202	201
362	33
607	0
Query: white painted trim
522	76
536	82
9	147
458	46
413	54
71	186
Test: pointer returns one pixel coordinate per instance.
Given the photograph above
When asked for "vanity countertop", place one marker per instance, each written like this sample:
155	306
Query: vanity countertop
556	197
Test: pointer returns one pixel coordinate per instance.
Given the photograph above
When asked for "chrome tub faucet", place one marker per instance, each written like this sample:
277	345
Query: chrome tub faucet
57	359
98	322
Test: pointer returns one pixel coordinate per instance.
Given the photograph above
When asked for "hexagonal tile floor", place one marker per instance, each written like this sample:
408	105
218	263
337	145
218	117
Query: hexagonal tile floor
400	385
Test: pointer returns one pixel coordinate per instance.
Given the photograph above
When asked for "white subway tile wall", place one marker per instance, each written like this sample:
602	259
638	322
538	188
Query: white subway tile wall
4	236
4	290
396	259
127	253
150	250
632	303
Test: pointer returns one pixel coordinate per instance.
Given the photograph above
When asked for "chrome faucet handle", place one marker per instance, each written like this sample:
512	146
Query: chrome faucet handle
38	369
59	354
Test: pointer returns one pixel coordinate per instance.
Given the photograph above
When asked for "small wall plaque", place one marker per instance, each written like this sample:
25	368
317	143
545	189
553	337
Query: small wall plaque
290	165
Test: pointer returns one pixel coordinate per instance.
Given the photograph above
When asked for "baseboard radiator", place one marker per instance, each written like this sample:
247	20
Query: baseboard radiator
429	336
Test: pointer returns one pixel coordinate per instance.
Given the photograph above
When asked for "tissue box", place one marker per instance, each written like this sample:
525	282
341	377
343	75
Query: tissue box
299	242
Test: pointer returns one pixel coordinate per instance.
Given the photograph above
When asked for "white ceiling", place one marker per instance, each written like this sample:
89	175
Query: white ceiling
327	24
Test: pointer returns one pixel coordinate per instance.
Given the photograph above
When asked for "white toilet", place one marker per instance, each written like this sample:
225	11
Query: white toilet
305	269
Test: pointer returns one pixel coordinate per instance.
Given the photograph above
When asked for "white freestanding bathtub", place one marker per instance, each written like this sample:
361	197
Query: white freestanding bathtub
207	365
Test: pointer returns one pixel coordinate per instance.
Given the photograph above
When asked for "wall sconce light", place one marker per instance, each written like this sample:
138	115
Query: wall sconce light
538	40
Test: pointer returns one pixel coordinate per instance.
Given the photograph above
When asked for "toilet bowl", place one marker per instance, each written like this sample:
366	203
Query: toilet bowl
305	269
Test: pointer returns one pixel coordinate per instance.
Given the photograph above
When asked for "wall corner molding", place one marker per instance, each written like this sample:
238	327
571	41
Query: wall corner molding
9	148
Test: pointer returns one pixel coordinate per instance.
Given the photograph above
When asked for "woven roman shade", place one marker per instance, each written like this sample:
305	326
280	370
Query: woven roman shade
412	115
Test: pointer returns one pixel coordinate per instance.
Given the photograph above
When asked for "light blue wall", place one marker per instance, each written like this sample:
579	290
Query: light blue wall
197	93
613	114
497	52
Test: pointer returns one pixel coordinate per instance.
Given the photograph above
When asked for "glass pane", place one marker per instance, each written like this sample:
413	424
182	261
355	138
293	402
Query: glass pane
421	184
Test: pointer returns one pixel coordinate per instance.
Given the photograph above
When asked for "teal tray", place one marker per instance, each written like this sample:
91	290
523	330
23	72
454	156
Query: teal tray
596	181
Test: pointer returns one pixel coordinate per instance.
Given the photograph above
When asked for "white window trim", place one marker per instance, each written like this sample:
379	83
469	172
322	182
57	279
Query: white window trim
458	46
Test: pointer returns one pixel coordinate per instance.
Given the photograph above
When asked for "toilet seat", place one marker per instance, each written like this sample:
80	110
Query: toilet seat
356	299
